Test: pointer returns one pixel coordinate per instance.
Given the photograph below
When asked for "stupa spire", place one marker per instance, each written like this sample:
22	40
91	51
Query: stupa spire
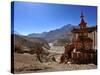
82	16
82	23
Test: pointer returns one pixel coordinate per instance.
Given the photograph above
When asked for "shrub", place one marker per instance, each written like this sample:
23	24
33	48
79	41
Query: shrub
18	49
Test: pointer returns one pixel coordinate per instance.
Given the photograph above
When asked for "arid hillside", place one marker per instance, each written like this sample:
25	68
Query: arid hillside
29	44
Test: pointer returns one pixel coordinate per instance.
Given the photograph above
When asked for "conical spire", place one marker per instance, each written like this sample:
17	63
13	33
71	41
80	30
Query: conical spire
82	23
81	15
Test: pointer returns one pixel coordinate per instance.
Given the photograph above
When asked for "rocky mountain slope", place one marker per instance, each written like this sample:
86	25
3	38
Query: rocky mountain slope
29	44
53	35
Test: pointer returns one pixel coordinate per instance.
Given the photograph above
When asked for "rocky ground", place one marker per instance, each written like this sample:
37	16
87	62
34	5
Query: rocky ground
27	63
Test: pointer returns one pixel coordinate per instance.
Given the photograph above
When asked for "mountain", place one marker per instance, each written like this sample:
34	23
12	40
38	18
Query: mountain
53	35
38	34
29	44
15	32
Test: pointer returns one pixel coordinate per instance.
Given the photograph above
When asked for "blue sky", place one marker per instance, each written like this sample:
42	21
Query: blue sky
40	17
